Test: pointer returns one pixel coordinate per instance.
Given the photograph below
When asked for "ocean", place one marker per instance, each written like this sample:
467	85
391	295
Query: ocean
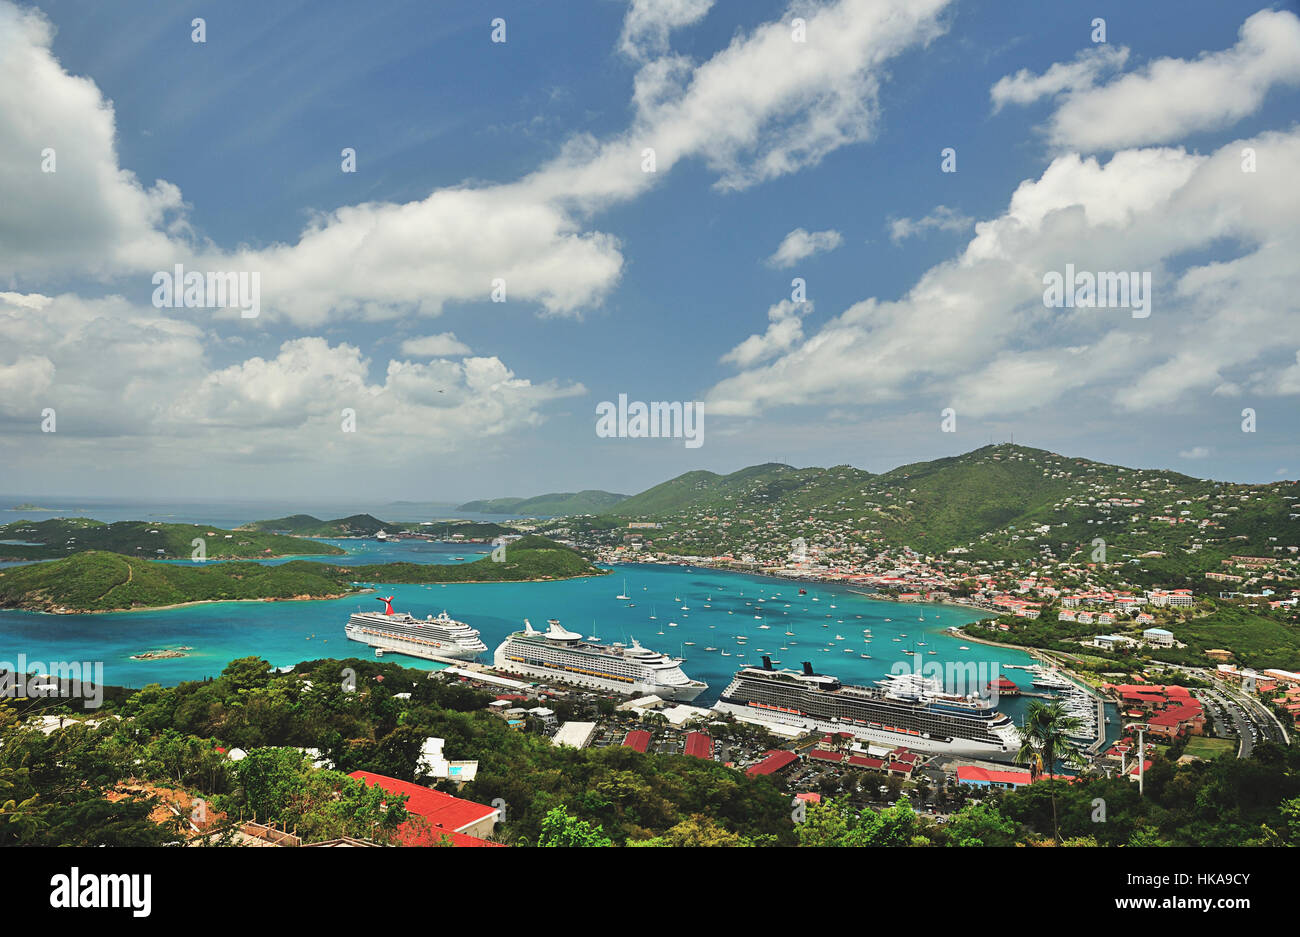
677	610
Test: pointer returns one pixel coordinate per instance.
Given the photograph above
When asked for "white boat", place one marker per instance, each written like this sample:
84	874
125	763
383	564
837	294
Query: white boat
562	656
399	632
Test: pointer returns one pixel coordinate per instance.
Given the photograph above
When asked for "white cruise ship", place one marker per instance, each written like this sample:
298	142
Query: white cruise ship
430	638
560	655
907	710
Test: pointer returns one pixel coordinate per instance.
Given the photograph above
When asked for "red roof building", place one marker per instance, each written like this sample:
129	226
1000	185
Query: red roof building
773	762
818	754
437	817
638	739
862	761
700	745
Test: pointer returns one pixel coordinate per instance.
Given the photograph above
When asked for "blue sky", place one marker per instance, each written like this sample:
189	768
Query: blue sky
521	158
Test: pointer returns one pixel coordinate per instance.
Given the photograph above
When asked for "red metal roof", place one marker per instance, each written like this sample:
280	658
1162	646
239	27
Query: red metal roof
862	761
700	745
441	813
775	761
638	739
820	755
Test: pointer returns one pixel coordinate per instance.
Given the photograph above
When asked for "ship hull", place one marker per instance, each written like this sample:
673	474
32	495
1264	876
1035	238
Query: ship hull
793	724
426	648
683	694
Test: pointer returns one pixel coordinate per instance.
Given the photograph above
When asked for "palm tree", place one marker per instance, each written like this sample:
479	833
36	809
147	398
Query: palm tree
1043	744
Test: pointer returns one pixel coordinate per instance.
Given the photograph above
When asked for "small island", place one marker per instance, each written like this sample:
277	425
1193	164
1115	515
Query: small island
164	654
98	581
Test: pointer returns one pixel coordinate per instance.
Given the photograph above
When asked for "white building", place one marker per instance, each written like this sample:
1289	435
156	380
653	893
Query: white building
574	734
1158	636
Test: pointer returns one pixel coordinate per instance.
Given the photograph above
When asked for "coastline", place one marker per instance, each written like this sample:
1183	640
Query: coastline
291	598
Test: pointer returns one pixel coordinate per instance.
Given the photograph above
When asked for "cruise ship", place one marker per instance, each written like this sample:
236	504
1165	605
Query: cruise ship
563	656
431	638
908	711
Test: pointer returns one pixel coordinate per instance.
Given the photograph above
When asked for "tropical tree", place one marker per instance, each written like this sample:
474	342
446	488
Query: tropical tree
1043	744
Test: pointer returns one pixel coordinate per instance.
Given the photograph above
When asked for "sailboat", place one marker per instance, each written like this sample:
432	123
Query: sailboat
652	613
623	594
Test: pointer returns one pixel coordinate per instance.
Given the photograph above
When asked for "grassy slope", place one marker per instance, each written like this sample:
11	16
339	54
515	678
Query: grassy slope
100	581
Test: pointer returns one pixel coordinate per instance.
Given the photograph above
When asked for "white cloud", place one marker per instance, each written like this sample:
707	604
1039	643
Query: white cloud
800	244
442	345
1024	87
1169	98
649	22
113	371
1196	452
762	107
942	218
973	331
784	332
89	215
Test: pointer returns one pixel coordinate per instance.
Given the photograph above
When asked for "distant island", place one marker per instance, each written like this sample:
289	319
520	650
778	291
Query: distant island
98	581
61	536
29	507
549	505
366	525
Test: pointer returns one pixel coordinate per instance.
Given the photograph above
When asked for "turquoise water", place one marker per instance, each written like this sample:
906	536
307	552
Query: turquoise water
288	632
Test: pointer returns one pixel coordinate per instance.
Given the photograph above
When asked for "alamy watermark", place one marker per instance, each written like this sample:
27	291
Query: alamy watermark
1109	289
658	419
240	290
36	680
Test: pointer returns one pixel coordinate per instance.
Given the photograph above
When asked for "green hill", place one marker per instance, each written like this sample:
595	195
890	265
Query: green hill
996	504
304	525
102	581
758	484
58	537
549	505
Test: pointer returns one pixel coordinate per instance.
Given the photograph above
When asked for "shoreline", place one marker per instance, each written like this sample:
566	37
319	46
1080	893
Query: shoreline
313	598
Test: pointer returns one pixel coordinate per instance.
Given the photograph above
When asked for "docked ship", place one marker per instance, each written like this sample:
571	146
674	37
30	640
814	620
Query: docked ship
563	656
431	637
910	711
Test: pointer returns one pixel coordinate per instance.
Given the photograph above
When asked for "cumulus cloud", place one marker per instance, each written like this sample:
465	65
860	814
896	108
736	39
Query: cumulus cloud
88	215
1024	87
443	345
649	23
974	331
762	107
1169	98
942	218
784	332
800	244
1196	452
113	370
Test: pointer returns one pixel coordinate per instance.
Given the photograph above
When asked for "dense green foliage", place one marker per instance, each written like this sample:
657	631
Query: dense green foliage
97	581
357	714
350	711
590	501
997	504
60	536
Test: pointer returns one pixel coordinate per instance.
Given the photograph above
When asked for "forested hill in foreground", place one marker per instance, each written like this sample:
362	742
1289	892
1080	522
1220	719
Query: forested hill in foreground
100	581
549	505
1003	502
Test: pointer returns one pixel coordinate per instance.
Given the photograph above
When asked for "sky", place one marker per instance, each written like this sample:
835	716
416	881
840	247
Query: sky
828	223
